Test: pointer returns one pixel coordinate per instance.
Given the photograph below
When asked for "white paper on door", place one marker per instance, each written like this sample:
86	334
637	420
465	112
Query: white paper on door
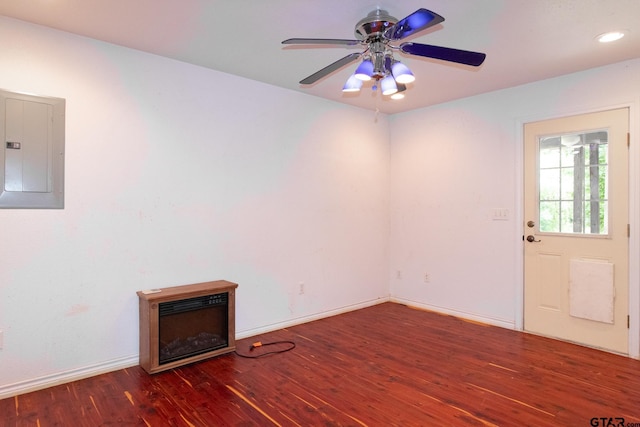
591	290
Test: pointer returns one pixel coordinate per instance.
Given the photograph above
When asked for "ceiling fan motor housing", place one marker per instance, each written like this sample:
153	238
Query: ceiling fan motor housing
370	30
374	25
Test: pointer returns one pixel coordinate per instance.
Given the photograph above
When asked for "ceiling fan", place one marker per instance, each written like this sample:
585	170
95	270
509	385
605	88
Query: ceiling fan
377	33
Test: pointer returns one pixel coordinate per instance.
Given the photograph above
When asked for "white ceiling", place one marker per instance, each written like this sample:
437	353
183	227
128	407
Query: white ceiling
525	40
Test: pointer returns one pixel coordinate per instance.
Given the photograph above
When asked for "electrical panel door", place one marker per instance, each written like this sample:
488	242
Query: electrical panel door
33	151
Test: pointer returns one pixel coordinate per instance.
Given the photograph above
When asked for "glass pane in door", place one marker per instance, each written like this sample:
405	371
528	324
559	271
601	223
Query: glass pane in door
573	183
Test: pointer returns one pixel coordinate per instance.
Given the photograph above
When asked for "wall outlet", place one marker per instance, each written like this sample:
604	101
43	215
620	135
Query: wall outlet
427	279
301	288
1	339
398	274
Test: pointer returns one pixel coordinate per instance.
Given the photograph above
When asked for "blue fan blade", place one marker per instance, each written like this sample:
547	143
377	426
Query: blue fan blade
419	20
444	53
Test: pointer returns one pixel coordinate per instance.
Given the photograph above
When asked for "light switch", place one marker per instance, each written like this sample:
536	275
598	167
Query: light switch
500	214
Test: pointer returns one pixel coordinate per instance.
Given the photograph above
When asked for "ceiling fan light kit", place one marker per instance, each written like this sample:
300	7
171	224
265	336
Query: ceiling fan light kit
388	85
402	73
353	84
364	72
400	93
376	33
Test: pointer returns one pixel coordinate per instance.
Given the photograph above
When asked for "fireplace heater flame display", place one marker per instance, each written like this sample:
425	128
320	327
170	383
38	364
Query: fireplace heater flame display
192	326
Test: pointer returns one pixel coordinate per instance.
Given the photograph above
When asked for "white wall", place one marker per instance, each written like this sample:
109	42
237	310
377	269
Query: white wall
176	174
454	163
451	166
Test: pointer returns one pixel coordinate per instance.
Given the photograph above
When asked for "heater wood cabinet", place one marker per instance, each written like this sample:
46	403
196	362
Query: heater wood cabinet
185	324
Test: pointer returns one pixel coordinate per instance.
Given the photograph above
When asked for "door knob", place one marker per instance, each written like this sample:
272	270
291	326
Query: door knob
532	239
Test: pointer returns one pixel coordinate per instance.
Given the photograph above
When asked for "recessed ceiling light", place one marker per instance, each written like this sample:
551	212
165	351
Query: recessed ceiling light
611	36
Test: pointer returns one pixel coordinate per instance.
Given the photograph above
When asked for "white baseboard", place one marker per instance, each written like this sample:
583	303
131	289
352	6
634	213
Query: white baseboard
300	320
461	314
47	381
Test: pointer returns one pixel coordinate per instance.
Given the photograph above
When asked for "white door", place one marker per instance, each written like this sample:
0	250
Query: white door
576	229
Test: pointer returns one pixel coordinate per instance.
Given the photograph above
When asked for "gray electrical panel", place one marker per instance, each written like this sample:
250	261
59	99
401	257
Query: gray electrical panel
32	154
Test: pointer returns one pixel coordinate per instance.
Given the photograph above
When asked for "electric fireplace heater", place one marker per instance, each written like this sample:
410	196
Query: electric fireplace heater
185	324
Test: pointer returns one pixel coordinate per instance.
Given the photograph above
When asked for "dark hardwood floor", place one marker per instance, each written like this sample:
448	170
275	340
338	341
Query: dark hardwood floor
387	365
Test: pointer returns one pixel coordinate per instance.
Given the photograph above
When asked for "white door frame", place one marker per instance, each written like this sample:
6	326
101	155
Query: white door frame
634	216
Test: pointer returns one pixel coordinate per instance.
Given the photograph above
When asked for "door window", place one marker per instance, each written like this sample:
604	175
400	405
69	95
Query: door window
573	183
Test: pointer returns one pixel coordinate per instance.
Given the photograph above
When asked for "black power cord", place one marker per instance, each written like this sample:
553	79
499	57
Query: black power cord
291	346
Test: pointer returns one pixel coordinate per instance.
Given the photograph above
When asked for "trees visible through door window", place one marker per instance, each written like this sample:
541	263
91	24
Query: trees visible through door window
573	183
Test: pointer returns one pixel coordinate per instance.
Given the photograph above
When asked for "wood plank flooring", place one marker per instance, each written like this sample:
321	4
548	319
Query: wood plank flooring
387	365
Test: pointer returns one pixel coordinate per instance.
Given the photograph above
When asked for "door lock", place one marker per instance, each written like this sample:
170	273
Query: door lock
531	224
531	238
